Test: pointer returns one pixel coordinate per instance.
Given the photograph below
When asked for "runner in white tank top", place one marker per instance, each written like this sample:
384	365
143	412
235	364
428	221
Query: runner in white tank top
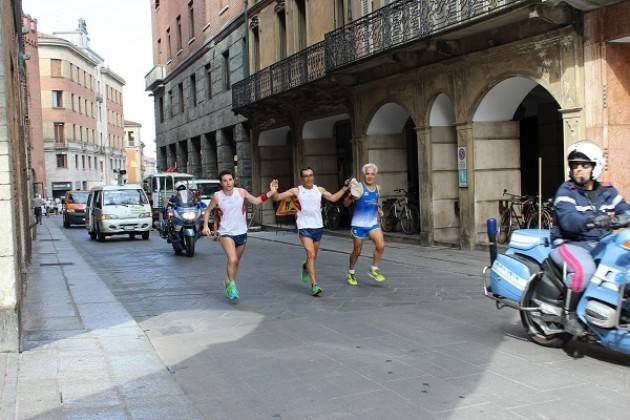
309	220
230	203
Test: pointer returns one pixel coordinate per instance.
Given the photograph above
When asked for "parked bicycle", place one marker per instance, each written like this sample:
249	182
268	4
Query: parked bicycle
399	210
520	212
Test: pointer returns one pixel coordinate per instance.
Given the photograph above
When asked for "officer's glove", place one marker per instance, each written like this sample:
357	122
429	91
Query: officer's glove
601	221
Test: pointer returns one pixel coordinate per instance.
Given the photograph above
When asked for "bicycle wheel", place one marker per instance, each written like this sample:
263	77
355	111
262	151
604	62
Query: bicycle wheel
334	218
388	221
505	227
546	220
409	219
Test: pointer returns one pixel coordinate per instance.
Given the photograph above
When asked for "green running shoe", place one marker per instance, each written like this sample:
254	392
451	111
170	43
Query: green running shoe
231	291
315	289
352	279
376	275
305	277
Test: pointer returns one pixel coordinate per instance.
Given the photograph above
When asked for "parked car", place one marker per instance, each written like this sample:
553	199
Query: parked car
118	210
74	208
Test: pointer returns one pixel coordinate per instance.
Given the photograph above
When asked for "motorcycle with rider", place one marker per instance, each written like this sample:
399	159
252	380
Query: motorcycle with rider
572	281
182	220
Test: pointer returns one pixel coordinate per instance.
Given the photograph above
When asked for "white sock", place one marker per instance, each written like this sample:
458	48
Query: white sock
351	271
374	268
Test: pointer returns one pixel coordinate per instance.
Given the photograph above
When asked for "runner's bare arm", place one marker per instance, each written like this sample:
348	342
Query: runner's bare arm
273	188
293	192
333	197
206	215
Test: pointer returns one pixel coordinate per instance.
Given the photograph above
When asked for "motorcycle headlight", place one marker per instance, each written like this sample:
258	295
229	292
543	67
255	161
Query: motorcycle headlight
189	215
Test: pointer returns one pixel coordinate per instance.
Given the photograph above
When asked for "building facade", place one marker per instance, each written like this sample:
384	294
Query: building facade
82	113
454	100
134	152
15	187
199	51
34	107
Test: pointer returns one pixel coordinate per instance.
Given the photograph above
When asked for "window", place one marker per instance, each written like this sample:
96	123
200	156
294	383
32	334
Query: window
76	161
130	138
159	50
180	88
79	101
62	161
84	78
256	49
60	135
226	70
71	72
83	161
301	21
191	20
340	13
55	68
209	79
90	163
57	99
170	103
101	162
169	51
161	108
179	32
74	132
193	89
282	35
157	3
72	101
93	136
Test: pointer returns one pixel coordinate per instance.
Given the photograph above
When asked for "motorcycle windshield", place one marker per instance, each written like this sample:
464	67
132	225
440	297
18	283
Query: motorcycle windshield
185	199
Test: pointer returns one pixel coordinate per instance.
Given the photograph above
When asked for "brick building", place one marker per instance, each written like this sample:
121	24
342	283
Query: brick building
199	50
83	122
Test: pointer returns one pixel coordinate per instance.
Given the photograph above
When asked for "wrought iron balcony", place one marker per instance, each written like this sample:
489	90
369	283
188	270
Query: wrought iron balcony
401	22
303	67
155	76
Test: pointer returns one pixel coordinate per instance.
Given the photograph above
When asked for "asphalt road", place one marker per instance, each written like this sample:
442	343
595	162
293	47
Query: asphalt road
426	344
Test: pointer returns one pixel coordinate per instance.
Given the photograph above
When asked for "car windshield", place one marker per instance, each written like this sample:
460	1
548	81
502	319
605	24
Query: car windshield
208	189
77	198
124	198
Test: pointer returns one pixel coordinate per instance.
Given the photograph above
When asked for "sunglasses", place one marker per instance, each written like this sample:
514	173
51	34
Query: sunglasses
585	165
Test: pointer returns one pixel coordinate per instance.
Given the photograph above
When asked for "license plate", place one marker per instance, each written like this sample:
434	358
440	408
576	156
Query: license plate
130	227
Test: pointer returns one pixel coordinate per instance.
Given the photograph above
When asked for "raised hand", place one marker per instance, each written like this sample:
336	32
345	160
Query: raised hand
273	185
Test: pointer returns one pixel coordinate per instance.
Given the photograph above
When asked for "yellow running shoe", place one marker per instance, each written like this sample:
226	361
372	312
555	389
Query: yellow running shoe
352	279
377	275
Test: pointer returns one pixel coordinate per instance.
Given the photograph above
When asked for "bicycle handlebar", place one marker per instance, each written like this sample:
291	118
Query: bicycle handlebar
402	190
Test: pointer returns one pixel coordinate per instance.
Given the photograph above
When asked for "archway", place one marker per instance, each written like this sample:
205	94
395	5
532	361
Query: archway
275	152
391	143
444	191
516	122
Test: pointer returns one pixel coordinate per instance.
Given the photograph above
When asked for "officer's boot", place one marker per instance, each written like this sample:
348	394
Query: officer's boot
570	320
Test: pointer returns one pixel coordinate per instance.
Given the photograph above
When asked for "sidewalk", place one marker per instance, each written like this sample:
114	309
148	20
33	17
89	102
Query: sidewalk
83	355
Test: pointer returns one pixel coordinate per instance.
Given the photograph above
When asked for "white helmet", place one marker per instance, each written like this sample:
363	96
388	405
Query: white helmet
180	185
587	151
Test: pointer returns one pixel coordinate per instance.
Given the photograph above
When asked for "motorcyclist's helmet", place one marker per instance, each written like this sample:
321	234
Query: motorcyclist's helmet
587	151
180	185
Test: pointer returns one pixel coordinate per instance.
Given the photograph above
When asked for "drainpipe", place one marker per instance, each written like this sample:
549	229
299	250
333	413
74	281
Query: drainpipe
246	52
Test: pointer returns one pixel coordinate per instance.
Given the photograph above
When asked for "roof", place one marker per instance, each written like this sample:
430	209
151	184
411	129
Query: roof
129	123
113	75
44	40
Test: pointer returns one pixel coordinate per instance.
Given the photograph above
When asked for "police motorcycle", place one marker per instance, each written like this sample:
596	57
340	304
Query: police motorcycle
182	222
523	278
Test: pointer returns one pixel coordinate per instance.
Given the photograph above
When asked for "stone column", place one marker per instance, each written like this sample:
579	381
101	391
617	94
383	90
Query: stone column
468	230
194	157
209	157
425	181
225	153
244	154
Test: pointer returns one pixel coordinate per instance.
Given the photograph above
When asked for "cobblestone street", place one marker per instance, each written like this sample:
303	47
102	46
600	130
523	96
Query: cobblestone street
137	332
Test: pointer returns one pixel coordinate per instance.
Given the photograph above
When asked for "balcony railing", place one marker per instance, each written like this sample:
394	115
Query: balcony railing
303	67
401	22
155	76
396	24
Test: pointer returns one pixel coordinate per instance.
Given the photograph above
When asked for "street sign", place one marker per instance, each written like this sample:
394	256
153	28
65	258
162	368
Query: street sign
462	170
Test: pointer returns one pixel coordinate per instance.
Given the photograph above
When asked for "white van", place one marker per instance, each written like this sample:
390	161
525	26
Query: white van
118	210
207	188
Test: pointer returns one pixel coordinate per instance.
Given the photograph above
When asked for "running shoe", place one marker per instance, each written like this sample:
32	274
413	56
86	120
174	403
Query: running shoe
376	275
305	277
315	289
352	279
231	291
